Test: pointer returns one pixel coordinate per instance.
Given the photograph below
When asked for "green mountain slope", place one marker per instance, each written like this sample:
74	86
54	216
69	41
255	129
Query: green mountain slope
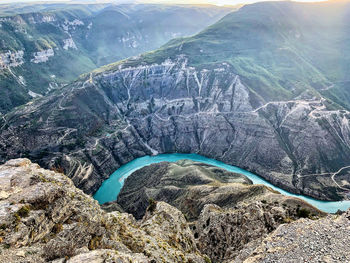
11	9
40	51
280	49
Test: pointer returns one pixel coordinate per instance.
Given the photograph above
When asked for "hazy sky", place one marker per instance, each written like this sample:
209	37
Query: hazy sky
216	2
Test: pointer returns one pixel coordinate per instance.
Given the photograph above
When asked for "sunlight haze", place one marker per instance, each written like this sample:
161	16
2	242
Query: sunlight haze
214	2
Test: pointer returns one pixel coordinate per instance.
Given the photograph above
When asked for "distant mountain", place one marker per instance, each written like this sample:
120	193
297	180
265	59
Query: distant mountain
280	49
42	50
265	89
16	8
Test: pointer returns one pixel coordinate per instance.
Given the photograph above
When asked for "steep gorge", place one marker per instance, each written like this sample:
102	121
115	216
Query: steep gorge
45	218
107	119
260	103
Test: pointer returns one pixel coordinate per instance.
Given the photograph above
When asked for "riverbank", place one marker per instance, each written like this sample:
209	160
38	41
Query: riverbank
111	187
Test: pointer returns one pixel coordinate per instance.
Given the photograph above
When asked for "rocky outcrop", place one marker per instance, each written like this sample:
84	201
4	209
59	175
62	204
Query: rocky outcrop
226	211
186	185
11	59
43	217
42	56
69	44
222	233
324	240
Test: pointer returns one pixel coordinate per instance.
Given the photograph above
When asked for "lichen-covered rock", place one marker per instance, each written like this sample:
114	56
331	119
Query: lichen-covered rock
42	211
105	255
177	235
222	233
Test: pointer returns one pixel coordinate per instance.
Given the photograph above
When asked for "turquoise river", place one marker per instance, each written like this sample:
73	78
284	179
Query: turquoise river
110	188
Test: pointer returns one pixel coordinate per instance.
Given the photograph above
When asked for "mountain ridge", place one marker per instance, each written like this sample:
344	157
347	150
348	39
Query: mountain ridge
56	46
140	107
91	129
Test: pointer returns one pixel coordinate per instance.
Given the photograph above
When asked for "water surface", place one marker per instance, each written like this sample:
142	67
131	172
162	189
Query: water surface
110	188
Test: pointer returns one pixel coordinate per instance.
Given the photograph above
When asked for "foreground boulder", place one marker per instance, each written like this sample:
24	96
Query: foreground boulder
44	217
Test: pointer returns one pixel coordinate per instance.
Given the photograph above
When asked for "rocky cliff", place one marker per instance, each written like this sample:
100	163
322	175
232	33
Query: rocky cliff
115	115
226	211
45	218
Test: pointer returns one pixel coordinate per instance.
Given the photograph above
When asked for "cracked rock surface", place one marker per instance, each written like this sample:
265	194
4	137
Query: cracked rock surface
324	240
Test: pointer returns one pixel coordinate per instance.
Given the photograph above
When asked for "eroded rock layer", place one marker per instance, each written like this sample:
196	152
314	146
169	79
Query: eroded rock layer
226	211
44	217
107	119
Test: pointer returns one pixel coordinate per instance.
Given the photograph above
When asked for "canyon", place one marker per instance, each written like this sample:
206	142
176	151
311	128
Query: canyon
264	88
45	218
109	118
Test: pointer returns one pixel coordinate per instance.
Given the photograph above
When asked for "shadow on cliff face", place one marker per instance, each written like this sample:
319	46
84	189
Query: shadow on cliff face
102	121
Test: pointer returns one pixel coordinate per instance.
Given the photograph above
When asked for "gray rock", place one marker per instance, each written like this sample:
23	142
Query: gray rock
226	211
45	217
107	119
324	240
185	184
